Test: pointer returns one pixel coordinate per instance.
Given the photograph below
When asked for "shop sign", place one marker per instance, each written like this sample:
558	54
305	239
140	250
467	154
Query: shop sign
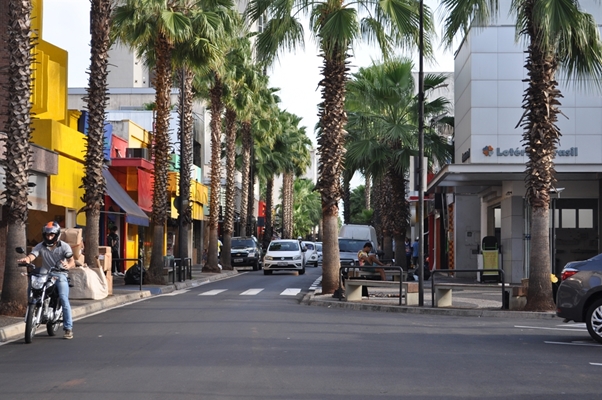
488	151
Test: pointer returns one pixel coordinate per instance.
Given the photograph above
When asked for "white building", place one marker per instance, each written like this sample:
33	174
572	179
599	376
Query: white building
482	193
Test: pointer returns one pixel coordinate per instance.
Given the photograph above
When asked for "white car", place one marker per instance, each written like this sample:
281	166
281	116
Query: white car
319	249
311	256
284	255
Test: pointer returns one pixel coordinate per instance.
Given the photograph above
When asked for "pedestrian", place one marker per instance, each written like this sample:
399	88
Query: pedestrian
415	249
53	250
408	247
113	243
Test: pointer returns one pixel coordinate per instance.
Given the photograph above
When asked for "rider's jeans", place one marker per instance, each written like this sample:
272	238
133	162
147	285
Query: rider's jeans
63	287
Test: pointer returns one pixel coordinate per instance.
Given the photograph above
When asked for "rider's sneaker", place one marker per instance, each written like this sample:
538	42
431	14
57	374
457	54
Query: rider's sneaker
68	334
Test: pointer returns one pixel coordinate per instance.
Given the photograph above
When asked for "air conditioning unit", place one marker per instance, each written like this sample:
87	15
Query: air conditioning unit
137	153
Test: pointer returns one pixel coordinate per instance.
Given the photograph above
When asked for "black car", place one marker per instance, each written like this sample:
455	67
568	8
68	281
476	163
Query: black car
246	252
579	296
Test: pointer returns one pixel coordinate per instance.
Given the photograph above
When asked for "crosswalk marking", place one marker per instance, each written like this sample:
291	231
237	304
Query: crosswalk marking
290	292
212	292
251	292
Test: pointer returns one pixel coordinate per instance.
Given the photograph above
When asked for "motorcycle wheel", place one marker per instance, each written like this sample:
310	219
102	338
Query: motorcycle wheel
53	327
31	324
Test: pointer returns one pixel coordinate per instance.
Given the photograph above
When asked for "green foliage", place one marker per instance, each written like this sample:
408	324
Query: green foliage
307	208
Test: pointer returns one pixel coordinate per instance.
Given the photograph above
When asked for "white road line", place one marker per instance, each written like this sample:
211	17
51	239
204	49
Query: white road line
574	344
550	329
212	292
176	292
598	364
290	292
317	283
251	292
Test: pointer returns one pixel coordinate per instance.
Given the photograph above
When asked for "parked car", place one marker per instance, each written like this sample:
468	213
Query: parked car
579	296
246	252
319	250
311	255
284	255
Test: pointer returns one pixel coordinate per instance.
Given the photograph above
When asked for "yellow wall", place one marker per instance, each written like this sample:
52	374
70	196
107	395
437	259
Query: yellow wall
60	138
138	137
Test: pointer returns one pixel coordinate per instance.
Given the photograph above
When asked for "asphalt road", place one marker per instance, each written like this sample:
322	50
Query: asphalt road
248	337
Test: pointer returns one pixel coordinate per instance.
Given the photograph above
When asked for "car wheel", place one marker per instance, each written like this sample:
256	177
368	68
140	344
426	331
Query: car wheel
316	265
256	266
266	272
594	320
302	271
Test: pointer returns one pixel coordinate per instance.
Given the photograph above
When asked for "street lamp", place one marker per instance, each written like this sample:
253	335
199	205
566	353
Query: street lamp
421	182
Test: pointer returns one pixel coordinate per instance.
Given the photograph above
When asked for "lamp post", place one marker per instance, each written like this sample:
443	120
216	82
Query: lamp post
421	182
553	241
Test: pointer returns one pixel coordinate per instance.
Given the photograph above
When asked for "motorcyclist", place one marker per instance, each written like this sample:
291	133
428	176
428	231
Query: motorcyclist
53	252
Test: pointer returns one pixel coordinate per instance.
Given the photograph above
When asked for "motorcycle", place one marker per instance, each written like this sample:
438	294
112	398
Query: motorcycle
43	304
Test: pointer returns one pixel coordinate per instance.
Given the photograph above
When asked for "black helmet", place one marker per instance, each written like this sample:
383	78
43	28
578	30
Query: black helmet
51	228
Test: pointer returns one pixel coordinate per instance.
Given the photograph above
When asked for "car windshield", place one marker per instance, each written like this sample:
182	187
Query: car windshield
242	243
319	246
309	246
283	246
351	245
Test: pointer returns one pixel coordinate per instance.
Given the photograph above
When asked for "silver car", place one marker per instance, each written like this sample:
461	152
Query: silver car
579	296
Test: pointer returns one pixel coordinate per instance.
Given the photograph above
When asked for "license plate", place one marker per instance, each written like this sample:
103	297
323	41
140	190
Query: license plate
237	260
282	264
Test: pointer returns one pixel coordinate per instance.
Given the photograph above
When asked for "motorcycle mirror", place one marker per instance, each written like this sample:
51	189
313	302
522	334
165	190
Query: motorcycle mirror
20	250
68	255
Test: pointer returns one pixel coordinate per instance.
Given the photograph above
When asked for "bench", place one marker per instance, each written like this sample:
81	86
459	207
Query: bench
443	291
441	294
353	289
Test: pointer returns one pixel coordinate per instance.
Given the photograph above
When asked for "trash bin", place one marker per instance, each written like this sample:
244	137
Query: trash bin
490	252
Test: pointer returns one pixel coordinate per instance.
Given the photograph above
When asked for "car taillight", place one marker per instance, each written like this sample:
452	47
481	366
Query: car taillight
567	273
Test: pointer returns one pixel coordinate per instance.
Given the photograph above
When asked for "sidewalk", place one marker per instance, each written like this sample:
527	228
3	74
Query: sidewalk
467	303
12	328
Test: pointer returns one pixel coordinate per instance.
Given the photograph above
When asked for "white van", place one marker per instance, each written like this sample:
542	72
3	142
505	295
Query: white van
362	232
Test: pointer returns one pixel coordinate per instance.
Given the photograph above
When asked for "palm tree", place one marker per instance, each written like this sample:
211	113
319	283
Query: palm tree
93	180
18	131
383	116
197	53
237	99
307	208
560	37
153	28
336	26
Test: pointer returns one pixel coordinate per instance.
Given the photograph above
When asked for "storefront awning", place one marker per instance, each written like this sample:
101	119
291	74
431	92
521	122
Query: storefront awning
133	213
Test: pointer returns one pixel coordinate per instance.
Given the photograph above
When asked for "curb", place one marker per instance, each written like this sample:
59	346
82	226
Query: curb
119	297
311	300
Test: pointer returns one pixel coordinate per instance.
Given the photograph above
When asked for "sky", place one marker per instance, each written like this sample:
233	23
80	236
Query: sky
66	25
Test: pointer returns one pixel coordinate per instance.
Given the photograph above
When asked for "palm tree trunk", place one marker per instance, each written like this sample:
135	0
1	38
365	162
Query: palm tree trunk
331	148
541	136
93	181
216	141
401	215
287	209
269	231
367	186
18	129
247	143
185	210
161	203
346	199
230	170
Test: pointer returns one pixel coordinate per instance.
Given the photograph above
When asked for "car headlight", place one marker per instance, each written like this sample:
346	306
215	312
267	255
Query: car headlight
297	257
269	258
251	254
37	282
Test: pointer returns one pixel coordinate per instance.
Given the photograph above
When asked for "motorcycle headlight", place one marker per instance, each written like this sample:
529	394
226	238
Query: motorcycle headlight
37	282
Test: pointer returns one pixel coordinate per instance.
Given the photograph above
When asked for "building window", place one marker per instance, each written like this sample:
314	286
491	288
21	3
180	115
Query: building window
586	218
568	218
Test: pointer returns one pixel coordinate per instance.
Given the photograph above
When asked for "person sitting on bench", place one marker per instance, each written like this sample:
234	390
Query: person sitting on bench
367	259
